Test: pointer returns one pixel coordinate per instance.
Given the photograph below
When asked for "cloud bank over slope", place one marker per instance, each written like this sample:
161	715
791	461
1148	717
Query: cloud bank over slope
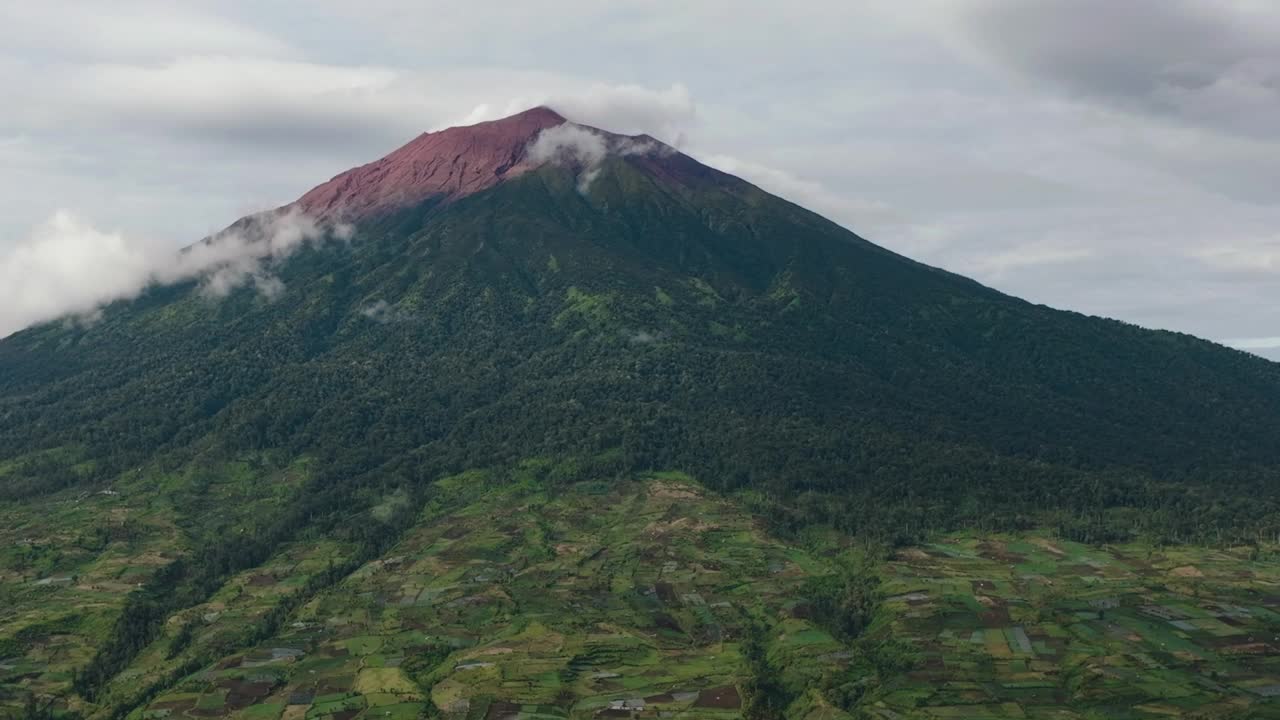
69	268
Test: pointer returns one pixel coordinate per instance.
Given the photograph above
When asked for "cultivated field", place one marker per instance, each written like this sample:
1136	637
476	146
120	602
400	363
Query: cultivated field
512	598
1033	627
611	600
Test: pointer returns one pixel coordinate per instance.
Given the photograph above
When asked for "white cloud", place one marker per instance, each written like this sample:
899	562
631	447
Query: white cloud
240	254
568	142
667	114
245	99
250	101
642	337
69	268
383	313
632	110
573	145
1260	343
127	29
585	150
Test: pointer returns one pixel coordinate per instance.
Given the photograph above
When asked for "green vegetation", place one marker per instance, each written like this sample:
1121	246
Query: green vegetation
202	499
1030	626
538	592
569	597
714	329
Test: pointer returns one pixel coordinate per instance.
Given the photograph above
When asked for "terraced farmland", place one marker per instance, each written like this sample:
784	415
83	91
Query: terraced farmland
1032	627
606	600
515	598
69	560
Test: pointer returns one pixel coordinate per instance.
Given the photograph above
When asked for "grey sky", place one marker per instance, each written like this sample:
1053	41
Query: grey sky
1116	158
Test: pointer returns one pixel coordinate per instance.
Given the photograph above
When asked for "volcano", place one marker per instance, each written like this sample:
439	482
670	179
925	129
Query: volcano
460	161
536	303
451	163
533	286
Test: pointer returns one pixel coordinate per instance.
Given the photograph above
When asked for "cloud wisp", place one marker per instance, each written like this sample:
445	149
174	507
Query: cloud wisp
627	109
1260	343
384	313
68	268
243	253
585	149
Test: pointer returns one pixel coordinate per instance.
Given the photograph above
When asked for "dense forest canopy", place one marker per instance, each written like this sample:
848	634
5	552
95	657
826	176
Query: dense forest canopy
700	324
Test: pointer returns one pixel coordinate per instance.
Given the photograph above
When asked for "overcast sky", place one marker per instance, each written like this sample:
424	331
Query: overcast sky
1119	158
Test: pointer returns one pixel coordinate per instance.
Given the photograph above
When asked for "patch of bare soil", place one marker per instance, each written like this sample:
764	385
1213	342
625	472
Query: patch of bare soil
1048	547
664	490
719	697
659	528
997	550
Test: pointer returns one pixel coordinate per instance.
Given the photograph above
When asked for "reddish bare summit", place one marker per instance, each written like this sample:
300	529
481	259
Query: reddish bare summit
450	163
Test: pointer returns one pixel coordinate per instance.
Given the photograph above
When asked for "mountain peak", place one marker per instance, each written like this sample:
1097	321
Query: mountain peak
450	163
540	115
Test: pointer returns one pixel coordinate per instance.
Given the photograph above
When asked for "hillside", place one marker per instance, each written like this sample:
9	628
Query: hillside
671	314
603	307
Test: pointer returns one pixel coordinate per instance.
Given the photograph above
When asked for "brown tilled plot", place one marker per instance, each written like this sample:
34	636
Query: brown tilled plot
720	697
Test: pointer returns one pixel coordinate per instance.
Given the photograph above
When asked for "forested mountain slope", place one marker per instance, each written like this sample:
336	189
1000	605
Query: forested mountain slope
601	306
667	314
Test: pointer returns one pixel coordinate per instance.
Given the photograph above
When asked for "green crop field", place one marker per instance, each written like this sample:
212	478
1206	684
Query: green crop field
510	597
1012	627
504	601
